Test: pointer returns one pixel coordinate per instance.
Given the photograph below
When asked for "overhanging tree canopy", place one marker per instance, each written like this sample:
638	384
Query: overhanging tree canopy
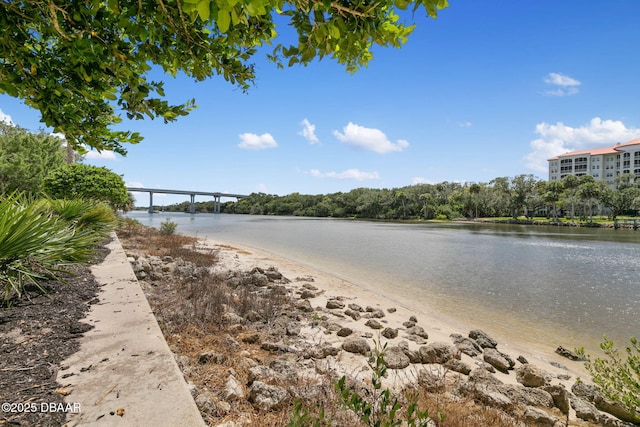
82	62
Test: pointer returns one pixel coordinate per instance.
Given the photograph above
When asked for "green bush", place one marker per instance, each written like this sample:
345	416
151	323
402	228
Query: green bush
78	181
168	227
37	244
618	378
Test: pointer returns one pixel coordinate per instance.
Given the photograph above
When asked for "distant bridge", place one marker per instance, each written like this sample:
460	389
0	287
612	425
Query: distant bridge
192	194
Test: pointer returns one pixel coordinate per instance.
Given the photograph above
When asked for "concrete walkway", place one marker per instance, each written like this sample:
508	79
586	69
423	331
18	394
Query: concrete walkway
124	373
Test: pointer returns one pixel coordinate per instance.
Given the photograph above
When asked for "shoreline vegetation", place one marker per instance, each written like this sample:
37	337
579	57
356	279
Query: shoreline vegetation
574	200
265	341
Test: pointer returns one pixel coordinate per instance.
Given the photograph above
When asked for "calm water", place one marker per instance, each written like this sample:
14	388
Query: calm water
549	286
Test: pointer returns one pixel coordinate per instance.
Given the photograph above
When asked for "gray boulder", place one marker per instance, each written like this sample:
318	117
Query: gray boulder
356	345
268	397
394	358
531	376
483	339
437	352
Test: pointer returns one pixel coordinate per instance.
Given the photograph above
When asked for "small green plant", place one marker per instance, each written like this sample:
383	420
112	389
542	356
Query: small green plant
168	227
381	408
304	416
617	378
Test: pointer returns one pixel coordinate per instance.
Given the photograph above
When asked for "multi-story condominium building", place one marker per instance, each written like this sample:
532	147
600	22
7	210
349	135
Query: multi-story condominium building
603	164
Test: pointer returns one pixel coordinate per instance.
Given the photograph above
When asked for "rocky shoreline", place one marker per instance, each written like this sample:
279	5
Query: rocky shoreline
305	330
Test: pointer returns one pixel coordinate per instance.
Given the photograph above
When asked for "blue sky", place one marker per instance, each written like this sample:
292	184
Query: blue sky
489	89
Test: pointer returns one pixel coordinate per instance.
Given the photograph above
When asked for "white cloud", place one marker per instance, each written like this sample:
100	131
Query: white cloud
369	139
252	141
5	118
564	85
261	188
135	184
309	131
465	124
354	174
560	138
100	155
421	180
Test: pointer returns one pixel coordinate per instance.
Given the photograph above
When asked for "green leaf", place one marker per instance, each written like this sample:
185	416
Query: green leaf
224	19
203	9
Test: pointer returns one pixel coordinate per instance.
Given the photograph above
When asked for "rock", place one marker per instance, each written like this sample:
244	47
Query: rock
334	304
496	359
276	347
408	324
481	376
589	393
528	395
233	390
413	319
292	329
394	358
267	397
389	333
355	315
417	331
304	306
437	352
355	307
261	373
375	313
531	376
458	366
250	337
391	310
466	345
211	356
584	410
483	340
373	324
320	352
345	332
205	403
522	359
356	345
560	397
306	294
538	417
568	354
273	274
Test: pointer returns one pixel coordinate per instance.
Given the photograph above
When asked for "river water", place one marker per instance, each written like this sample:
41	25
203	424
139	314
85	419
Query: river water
547	286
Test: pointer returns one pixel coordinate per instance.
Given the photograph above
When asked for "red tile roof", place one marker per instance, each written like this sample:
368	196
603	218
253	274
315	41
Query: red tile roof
598	151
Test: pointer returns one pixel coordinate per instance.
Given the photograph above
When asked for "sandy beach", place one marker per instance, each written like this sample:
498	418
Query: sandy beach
397	308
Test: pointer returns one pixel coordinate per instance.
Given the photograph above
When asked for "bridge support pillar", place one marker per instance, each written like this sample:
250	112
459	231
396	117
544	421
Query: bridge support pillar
150	202
216	204
192	205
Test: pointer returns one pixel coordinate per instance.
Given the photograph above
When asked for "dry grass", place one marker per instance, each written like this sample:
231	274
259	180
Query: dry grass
191	315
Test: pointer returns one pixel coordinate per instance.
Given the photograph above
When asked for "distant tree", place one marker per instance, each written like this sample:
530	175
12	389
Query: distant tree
571	184
623	196
475	190
81	62
26	158
552	196
589	193
88	182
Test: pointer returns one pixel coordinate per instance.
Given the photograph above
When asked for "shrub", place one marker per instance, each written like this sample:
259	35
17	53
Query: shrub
168	227
379	410
36	244
87	182
616	378
91	215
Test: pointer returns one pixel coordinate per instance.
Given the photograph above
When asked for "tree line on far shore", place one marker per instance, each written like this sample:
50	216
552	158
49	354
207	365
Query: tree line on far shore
522	195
